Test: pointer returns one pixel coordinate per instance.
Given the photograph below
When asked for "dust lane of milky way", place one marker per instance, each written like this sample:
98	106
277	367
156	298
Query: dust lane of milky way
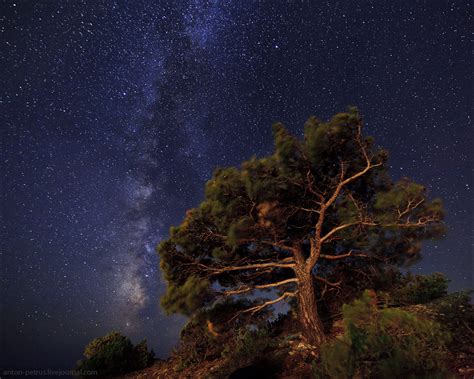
114	114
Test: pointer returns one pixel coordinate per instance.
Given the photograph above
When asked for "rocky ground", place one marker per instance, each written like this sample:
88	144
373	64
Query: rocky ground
462	366
295	358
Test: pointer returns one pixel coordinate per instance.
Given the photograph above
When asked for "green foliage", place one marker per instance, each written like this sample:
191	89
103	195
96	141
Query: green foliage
186	298
420	289
387	343
398	195
115	354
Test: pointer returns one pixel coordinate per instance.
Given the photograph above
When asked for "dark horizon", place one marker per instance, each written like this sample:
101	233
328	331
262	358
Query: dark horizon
115	114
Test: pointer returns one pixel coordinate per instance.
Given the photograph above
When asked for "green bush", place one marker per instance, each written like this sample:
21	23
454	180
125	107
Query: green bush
387	343
115	354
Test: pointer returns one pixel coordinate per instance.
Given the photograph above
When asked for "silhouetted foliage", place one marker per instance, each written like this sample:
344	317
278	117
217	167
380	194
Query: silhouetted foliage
115	354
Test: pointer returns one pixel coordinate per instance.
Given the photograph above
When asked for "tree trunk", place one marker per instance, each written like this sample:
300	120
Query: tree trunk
311	325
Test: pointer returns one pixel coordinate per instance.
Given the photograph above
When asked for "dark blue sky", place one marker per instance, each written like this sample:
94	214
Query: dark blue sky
114	113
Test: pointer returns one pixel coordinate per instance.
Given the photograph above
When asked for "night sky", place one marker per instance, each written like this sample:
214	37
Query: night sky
113	115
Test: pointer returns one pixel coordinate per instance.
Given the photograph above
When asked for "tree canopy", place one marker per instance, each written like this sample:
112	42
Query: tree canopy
296	222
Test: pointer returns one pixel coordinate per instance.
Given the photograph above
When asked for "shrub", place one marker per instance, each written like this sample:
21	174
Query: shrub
250	344
143	357
212	330
115	354
387	343
456	307
456	313
248	350
196	344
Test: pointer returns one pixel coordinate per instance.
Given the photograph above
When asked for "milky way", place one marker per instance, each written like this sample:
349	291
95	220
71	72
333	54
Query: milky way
115	113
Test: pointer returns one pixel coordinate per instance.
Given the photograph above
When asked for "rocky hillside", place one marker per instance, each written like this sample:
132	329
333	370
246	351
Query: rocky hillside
279	352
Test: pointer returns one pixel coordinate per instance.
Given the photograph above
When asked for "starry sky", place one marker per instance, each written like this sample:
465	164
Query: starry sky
114	113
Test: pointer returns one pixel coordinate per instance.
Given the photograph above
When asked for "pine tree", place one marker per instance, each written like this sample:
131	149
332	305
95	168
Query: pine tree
290	223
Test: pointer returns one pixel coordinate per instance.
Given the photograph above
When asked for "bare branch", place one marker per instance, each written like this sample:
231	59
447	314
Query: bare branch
369	165
336	229
310	186
276	244
354	201
310	210
325	281
317	242
422	221
342	256
336	257
343	183
261	286
256	266
270	302
410	206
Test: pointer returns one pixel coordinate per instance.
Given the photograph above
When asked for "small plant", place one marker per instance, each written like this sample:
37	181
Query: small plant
387	343
115	354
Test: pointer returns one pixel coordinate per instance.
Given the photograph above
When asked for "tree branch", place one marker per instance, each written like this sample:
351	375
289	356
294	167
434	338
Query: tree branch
423	221
336	229
325	281
369	165
342	256
220	270
409	207
261	286
270	302
257	241
317	241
